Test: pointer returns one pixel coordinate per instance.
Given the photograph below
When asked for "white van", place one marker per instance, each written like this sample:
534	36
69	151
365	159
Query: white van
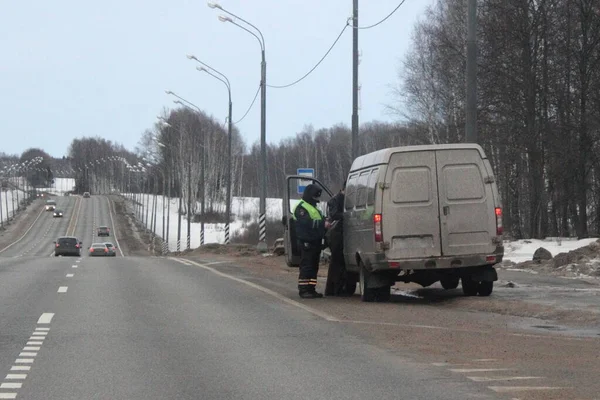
422	214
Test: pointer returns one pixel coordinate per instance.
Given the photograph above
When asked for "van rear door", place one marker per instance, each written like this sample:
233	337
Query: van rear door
410	220
466	203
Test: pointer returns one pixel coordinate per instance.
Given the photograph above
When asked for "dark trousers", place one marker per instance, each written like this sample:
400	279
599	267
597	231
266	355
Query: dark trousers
336	276
309	267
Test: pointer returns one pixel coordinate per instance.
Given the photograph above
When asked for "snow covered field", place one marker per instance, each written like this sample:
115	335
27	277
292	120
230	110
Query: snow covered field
9	203
522	250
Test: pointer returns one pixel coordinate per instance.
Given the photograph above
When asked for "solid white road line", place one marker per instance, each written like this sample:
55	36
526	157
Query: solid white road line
501	378
11	385
270	292
70	275
46	318
20	368
8	396
31	348
507	389
27	354
16	376
479	369
113	226
63	289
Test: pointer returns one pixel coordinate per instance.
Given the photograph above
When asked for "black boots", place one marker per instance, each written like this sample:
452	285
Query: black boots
311	295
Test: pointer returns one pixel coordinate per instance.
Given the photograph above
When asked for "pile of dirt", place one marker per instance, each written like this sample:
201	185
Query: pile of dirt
581	262
232	249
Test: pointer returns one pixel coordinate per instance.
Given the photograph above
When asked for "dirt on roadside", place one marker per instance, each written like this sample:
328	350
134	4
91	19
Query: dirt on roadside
20	224
133	239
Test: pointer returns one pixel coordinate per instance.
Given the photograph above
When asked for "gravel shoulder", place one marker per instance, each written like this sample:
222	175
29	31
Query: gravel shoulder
21	223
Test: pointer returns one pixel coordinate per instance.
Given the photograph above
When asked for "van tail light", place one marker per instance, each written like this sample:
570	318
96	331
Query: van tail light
77	246
105	250
57	245
499	227
377	227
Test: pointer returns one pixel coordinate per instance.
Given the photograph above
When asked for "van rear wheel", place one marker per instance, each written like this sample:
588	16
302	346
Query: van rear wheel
366	294
350	285
485	288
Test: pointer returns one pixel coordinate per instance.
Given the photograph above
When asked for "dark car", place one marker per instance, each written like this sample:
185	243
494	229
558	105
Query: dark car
99	249
58	214
86	195
103	231
67	246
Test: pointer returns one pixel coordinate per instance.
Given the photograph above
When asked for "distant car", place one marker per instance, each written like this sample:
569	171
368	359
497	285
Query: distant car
58	214
50	205
86	194
112	249
67	246
67	193
103	231
99	250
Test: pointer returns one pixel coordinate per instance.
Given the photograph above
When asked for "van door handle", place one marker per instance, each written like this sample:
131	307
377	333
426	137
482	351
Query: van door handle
446	210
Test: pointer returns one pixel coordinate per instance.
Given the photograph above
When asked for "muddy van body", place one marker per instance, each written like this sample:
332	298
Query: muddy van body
422	214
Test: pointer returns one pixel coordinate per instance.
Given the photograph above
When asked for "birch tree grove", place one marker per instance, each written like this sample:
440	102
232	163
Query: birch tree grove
538	103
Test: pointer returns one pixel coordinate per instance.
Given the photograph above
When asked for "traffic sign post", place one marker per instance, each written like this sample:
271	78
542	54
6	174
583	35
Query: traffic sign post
302	183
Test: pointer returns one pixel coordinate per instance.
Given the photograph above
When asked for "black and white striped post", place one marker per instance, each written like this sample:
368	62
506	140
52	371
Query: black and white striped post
262	228
178	245
227	233
188	242
201	237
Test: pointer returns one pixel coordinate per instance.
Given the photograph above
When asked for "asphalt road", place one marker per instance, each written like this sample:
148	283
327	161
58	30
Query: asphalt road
155	328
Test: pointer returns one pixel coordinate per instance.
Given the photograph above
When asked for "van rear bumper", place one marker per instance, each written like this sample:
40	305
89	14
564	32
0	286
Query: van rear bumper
465	261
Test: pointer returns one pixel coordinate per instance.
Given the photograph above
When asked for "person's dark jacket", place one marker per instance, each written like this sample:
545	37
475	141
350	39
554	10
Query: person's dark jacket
335	207
307	230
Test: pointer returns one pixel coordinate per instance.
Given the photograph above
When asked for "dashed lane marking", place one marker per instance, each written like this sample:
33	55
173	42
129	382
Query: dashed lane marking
24	360
507	389
31	348
20	368
63	289
46	318
34	343
501	378
43	333
8	396
16	376
11	385
27	354
70	275
74	266
463	370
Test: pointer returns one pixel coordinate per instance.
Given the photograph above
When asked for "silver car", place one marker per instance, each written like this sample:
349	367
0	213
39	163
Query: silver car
112	249
99	250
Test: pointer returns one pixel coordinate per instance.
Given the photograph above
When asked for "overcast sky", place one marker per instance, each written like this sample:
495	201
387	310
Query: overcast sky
73	68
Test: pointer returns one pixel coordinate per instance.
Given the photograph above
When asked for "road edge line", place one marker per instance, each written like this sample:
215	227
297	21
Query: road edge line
26	232
263	289
112	221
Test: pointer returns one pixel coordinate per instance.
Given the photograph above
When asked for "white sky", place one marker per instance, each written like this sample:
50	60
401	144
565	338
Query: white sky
79	68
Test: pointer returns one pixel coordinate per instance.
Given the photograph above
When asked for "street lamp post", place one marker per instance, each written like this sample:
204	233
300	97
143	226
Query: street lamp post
227	84
262	221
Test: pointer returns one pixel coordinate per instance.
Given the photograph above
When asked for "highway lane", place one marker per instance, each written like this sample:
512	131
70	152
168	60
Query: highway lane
39	240
150	328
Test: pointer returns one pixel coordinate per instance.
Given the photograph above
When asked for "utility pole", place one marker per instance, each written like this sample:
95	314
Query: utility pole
262	219
355	80
471	75
203	178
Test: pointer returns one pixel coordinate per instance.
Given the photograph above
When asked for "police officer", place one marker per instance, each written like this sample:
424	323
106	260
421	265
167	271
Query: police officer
336	275
310	230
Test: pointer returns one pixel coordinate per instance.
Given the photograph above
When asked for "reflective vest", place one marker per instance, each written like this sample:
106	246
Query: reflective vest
313	212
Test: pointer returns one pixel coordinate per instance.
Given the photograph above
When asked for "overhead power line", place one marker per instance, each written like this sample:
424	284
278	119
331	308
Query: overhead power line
383	20
315	67
249	108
